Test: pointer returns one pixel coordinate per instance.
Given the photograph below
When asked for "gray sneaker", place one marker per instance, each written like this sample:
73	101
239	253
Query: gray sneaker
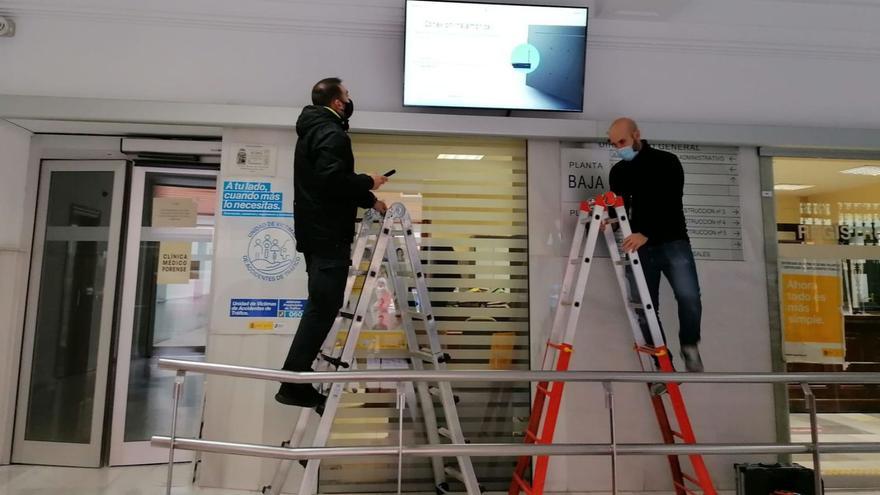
658	388
692	360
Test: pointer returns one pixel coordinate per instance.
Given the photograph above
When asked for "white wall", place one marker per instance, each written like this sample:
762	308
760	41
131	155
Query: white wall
735	338
810	63
804	63
14	251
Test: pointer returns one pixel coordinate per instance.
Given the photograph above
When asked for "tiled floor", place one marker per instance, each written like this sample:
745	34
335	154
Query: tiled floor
150	480
143	480
133	480
841	427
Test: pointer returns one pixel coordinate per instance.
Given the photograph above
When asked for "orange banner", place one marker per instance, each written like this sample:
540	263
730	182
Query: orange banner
812	321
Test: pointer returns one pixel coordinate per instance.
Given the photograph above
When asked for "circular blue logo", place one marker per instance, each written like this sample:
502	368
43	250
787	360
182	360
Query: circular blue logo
271	253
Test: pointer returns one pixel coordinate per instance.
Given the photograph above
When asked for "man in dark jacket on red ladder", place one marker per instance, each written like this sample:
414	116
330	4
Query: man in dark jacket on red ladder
651	182
327	193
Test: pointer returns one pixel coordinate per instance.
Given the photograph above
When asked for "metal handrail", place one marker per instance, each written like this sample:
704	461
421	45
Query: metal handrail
605	377
512	375
511	449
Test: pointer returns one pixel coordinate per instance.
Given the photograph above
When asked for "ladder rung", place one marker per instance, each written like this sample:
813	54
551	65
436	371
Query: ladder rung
419	316
685	488
347	315
455	473
635	305
543	390
649	350
335	361
623	262
677	434
522	484
357	273
692	480
424	356
559	347
444	432
532	436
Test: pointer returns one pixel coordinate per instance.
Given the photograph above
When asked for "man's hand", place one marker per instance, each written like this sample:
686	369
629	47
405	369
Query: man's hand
378	180
380	206
633	242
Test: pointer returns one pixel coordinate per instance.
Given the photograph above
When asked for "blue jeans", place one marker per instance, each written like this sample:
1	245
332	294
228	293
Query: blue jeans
675	260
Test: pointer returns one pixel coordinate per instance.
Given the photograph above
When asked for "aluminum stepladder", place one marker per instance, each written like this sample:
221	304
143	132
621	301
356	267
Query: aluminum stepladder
646	330
396	224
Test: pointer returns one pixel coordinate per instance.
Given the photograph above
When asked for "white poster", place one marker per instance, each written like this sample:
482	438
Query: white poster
260	280
711	192
253	160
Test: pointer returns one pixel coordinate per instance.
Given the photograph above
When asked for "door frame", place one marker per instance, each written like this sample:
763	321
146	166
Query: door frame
58	453
121	452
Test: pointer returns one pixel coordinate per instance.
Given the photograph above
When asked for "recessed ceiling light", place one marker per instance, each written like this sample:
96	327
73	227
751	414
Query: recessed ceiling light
792	187
444	156
866	170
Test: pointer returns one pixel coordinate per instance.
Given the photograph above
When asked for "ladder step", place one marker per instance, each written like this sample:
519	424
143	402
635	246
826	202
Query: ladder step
436	393
623	262
347	315
530	435
339	363
444	432
677	434
441	358
635	305
522	484
455	473
424	356
416	315
543	390
559	347
357	273
689	478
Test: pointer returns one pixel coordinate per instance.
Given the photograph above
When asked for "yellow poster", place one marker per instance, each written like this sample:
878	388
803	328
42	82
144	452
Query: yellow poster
812	320
174	263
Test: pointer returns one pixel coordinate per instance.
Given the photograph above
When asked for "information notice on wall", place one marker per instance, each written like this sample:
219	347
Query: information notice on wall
812	321
711	192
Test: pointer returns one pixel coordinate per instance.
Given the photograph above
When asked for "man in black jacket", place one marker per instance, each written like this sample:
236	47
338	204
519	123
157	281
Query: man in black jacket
327	193
651	183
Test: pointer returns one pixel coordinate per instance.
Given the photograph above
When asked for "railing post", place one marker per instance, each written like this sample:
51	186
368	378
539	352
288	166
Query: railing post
609	403
814	436
178	390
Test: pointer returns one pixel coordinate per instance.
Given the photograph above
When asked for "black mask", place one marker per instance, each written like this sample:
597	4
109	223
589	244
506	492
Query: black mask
349	109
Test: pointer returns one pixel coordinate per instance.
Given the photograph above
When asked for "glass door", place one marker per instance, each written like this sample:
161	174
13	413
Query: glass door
164	308
69	320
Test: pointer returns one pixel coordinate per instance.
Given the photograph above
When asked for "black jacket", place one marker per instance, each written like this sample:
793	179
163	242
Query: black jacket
652	185
327	191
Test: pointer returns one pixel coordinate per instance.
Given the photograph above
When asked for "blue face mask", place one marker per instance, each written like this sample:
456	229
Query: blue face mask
627	153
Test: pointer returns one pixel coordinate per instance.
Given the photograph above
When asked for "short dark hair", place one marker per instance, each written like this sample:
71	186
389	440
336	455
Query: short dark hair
326	90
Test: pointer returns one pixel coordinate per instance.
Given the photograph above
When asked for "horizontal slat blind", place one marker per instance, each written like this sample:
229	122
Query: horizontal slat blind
471	225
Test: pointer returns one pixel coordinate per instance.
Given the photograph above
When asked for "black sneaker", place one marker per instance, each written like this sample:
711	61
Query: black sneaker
692	360
301	395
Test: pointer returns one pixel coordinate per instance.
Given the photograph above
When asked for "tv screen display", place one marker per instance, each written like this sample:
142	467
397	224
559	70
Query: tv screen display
478	55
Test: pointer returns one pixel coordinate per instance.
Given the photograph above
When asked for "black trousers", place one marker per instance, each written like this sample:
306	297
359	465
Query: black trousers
327	277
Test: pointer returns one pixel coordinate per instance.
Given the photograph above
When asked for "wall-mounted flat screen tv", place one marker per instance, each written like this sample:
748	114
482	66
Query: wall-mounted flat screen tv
481	55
